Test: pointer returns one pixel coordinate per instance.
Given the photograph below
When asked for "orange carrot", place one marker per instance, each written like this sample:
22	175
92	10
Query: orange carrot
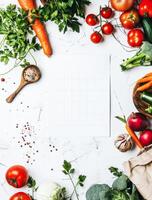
134	136
37	26
149	74
144	87
27	4
145	79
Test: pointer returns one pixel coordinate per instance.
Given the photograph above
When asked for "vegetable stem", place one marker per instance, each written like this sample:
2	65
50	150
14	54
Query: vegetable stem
15	65
73	191
74	187
33	57
142	57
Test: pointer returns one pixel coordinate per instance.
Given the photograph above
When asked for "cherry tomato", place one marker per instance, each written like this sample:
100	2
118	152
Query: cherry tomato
96	37
135	37
107	28
20	196
122	5
17	176
92	20
146	137
129	19
145	8
106	12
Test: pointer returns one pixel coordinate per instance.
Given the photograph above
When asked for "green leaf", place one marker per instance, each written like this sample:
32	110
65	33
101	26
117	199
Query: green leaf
115	171
96	190
119	195
67	166
72	171
120	183
105	195
31	183
54	14
122	119
82	178
134	195
64	13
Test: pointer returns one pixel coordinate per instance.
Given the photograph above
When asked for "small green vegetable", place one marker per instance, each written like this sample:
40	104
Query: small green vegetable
149	110
147	26
122	189
105	195
147	97
120	183
97	191
118	195
142	57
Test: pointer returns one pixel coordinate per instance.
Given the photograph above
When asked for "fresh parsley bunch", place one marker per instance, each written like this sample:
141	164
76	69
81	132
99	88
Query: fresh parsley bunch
15	29
65	13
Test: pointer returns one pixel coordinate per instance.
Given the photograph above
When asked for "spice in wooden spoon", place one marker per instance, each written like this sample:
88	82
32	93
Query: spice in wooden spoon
30	74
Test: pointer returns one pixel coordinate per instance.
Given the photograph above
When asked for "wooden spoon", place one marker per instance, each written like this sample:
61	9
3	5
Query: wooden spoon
30	74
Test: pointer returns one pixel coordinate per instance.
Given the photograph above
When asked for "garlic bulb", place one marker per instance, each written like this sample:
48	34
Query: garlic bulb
124	142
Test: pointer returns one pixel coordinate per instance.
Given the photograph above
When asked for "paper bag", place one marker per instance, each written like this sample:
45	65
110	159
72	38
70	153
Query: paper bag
139	171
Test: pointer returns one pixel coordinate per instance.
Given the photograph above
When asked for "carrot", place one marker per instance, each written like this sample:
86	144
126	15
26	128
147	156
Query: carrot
149	74
37	26
27	4
144	87
134	137
145	79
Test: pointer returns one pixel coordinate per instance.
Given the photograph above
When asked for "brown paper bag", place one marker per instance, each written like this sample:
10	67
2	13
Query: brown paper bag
139	171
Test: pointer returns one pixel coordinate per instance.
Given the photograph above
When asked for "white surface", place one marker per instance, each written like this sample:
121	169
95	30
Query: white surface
69	109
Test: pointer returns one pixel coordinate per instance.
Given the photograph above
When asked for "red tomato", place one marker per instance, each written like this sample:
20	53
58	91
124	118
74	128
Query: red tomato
145	8
17	176
106	12
135	37
146	137
107	28
96	37
129	19
20	196
92	20
122	5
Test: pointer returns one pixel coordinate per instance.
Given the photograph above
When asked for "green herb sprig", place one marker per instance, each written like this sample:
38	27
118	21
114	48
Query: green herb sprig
32	185
65	13
69	171
17	33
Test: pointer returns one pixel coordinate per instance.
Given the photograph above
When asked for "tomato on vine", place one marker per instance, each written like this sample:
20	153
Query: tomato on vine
96	37
106	12
92	20
107	28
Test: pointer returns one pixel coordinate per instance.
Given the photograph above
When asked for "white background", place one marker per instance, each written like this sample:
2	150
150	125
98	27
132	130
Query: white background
69	109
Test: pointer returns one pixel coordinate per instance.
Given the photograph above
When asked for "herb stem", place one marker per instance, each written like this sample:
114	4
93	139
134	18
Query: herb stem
9	70
2	41
33	57
74	187
15	65
33	191
73	191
